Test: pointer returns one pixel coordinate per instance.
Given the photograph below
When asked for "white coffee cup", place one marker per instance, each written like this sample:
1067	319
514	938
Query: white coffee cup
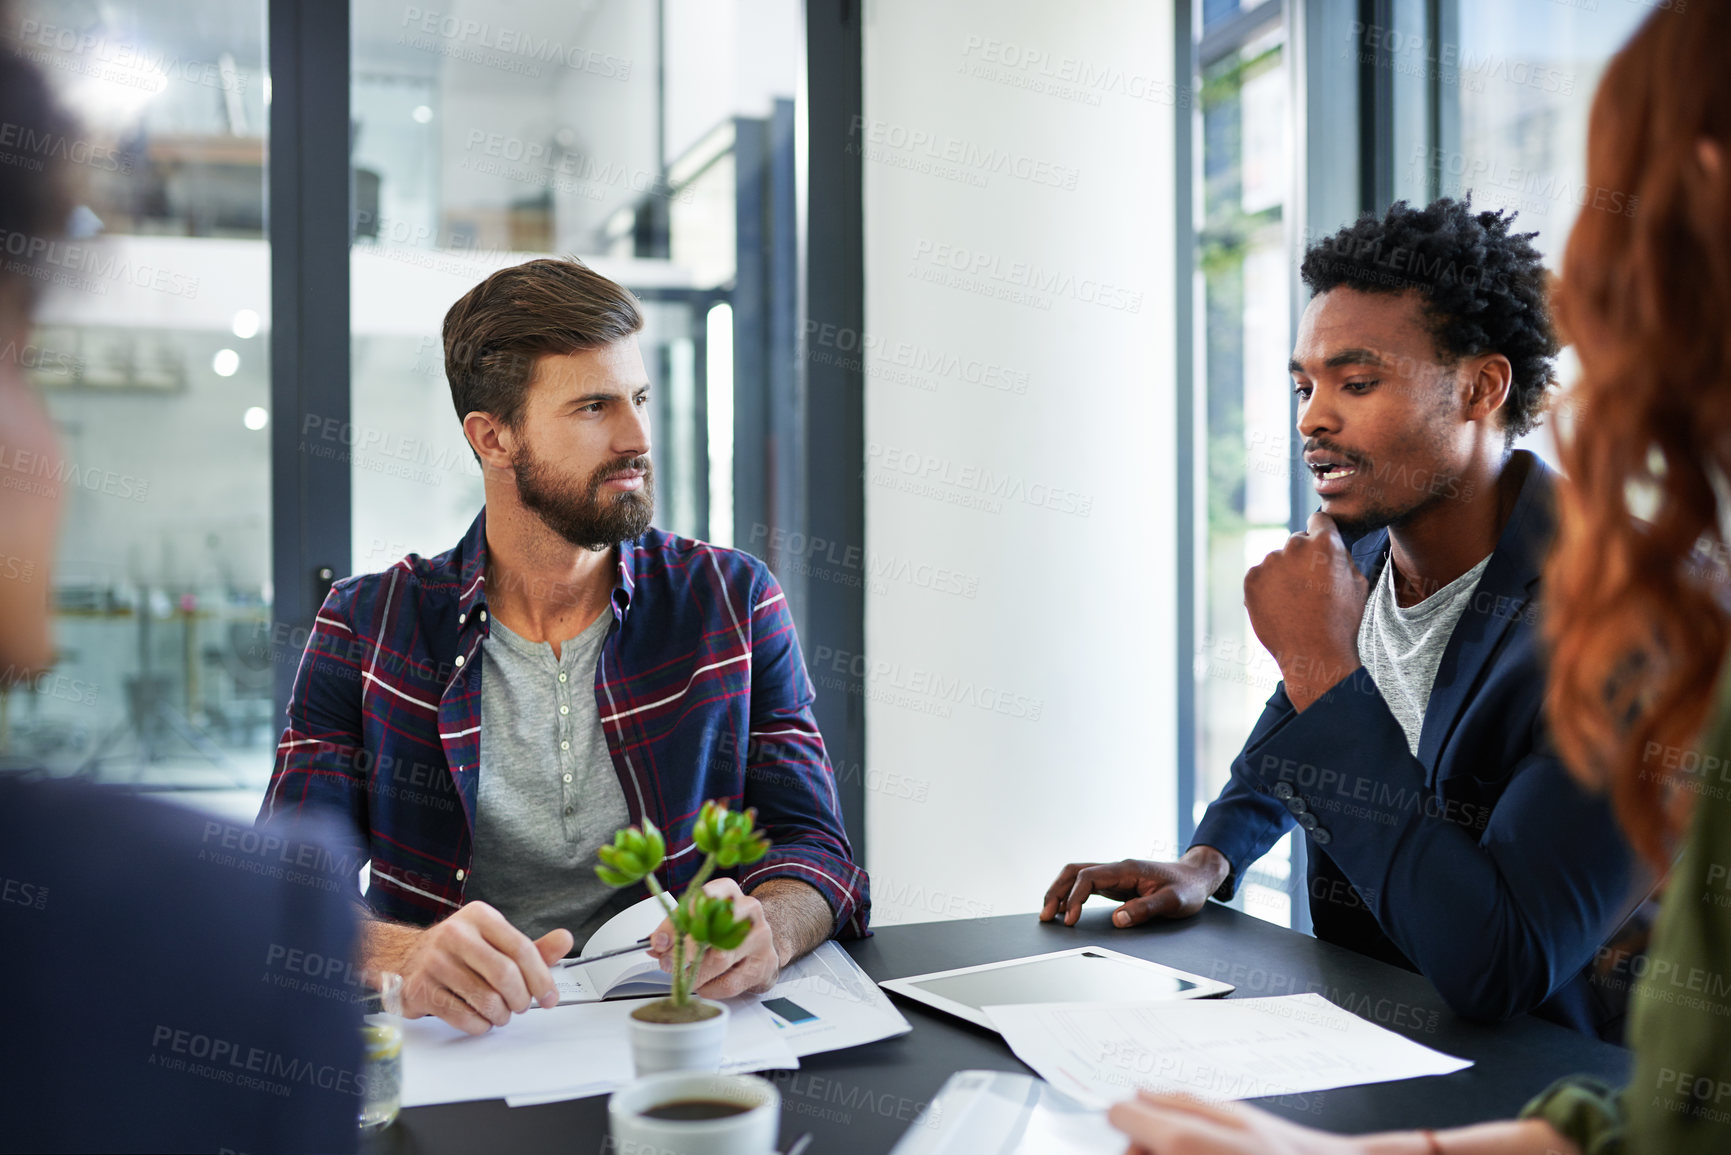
751	1132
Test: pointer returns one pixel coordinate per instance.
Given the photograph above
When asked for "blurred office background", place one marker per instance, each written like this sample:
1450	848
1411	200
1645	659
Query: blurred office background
970	317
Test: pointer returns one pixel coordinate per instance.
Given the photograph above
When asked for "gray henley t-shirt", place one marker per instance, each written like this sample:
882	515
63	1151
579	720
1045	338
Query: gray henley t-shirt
1402	646
549	796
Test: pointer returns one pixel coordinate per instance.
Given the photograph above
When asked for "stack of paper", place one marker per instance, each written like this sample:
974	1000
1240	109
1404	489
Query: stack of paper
823	1002
562	1053
1215	1049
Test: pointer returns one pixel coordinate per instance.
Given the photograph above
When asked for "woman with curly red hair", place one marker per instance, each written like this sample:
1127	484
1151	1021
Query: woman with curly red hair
1639	612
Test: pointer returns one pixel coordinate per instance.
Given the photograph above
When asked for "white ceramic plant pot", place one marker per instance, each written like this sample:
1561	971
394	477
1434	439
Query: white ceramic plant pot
658	1047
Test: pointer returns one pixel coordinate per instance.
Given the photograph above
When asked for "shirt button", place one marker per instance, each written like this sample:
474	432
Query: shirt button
483	615
564	745
461	875
1307	820
567	777
1296	805
459	659
570	810
561	677
1321	836
461	618
564	709
1283	790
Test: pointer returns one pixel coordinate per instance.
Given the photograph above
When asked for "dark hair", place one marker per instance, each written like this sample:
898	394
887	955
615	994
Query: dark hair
497	331
1484	288
36	189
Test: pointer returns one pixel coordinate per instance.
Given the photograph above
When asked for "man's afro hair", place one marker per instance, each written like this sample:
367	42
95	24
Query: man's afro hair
1483	287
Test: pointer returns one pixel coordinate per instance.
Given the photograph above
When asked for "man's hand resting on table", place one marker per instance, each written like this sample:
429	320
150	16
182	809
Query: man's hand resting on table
1147	889
788	920
750	968
473	970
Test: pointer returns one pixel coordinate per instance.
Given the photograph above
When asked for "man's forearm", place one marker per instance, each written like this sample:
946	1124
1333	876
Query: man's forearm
798	914
386	945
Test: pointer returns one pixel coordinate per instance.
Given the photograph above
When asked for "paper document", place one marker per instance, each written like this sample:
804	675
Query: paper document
623	975
561	1053
1214	1049
825	1002
997	1113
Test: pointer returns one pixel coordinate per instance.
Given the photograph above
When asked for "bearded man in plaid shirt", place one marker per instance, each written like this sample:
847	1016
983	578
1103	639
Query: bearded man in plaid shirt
485	719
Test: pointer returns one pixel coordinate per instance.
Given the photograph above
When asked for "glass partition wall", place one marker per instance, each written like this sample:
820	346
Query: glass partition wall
640	137
151	351
653	139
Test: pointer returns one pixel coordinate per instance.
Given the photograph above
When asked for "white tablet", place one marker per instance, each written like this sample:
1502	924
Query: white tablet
1084	974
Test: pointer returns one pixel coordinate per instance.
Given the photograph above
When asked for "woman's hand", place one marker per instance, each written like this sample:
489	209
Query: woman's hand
1181	1125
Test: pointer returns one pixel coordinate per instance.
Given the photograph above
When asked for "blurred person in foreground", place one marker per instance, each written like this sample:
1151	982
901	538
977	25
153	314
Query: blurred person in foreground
1639	620
167	987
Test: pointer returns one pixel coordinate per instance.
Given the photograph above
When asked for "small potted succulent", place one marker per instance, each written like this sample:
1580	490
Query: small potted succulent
684	1032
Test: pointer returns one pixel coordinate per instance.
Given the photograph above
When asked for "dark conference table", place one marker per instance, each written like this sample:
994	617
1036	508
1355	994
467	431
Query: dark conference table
861	1100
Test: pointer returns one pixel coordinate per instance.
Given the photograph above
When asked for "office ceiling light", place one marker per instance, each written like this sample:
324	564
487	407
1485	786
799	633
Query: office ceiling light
225	362
255	418
246	324
422	114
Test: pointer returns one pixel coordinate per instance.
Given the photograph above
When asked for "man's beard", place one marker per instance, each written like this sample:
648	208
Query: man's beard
576	510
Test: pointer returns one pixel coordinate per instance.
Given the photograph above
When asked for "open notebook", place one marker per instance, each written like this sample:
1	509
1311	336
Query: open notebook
623	976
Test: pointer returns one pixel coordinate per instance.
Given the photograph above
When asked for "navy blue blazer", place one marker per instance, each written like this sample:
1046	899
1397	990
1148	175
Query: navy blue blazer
173	981
1480	862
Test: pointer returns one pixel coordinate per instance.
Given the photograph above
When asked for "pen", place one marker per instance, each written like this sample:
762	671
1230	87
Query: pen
640	944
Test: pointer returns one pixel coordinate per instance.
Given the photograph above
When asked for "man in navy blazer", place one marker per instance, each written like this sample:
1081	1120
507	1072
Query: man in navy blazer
1408	739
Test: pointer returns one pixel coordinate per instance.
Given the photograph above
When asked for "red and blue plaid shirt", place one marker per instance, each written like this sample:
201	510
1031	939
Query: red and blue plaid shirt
701	685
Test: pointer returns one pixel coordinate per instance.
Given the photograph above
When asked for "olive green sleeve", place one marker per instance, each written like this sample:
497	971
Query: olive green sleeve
1584	1111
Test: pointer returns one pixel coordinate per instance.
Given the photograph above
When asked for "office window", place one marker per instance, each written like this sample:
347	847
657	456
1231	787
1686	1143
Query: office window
1514	122
635	136
1244	455
1521	96
151	350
